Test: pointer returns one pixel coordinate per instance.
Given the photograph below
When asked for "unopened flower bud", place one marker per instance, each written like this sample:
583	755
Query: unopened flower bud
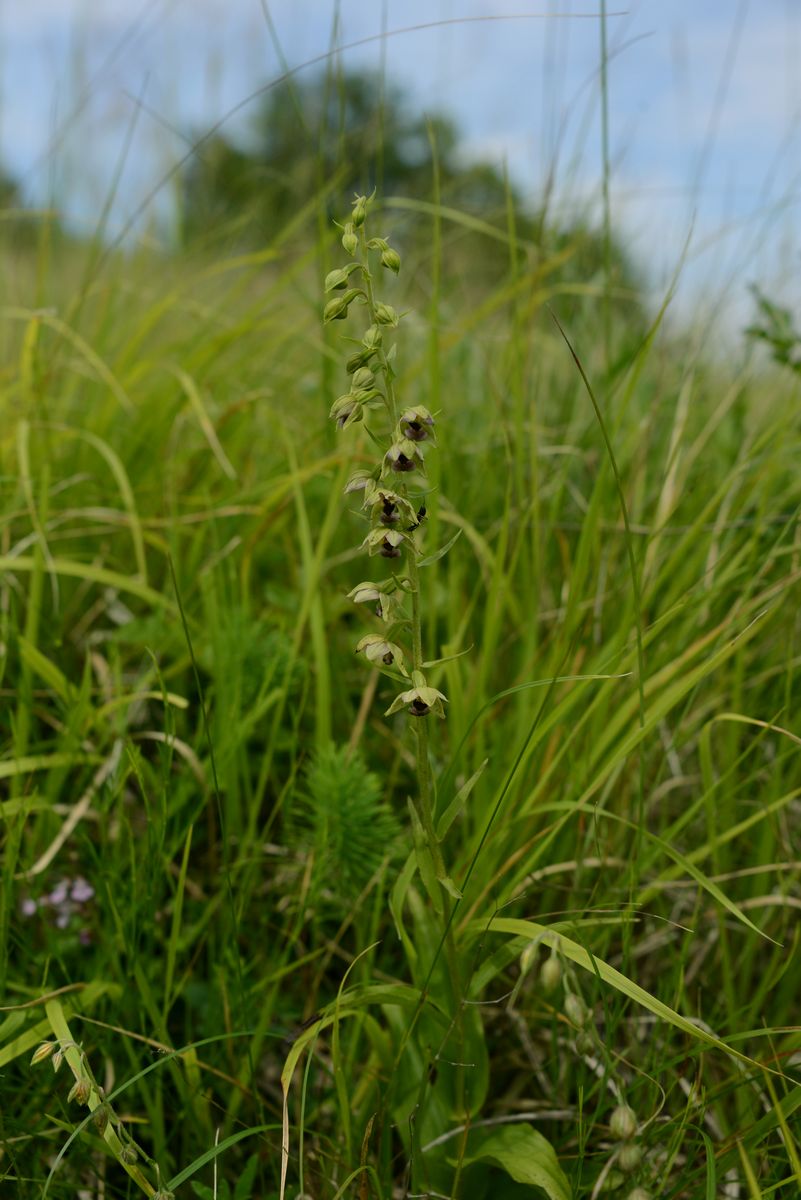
639	1193
359	210
391	259
42	1051
575	1009
551	974
358	481
630	1157
623	1123
337	309
363	378
385	315
361	359
336	280
58	1059
128	1154
363	593
585	1042
373	338
80	1091
350	241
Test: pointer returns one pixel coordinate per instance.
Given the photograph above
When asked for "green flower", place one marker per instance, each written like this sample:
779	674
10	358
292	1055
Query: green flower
380	652
420	701
390	508
386	542
346	411
416	424
403	456
359	481
386	603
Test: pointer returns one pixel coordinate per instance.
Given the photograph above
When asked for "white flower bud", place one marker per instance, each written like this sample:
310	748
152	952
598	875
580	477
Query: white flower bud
623	1123
630	1157
576	1010
551	974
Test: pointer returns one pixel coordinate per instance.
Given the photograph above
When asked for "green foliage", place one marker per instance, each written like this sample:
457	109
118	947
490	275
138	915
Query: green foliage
241	931
344	822
524	1155
352	131
775	326
241	1190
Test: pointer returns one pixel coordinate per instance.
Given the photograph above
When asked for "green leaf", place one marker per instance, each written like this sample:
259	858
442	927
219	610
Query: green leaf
450	886
244	1185
458	802
524	1154
443	550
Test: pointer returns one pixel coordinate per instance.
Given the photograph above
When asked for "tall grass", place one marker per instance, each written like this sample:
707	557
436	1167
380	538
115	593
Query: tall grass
208	905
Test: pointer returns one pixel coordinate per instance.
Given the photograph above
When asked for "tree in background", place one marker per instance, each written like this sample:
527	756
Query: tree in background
339	135
354	132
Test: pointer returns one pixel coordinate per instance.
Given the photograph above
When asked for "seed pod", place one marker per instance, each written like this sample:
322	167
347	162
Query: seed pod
623	1123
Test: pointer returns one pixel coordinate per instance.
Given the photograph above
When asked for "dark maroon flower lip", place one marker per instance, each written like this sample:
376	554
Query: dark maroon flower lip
390	513
389	551
414	431
418	708
402	463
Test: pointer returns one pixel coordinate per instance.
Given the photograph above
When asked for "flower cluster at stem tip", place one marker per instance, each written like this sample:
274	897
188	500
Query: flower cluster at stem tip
394	488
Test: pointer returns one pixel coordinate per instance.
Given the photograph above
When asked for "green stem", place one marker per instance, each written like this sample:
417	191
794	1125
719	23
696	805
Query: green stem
423	801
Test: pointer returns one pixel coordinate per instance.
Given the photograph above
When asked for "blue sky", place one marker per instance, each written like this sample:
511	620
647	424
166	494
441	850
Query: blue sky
704	106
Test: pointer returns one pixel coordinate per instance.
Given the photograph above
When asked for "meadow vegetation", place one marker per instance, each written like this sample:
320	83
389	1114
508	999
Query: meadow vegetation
258	971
